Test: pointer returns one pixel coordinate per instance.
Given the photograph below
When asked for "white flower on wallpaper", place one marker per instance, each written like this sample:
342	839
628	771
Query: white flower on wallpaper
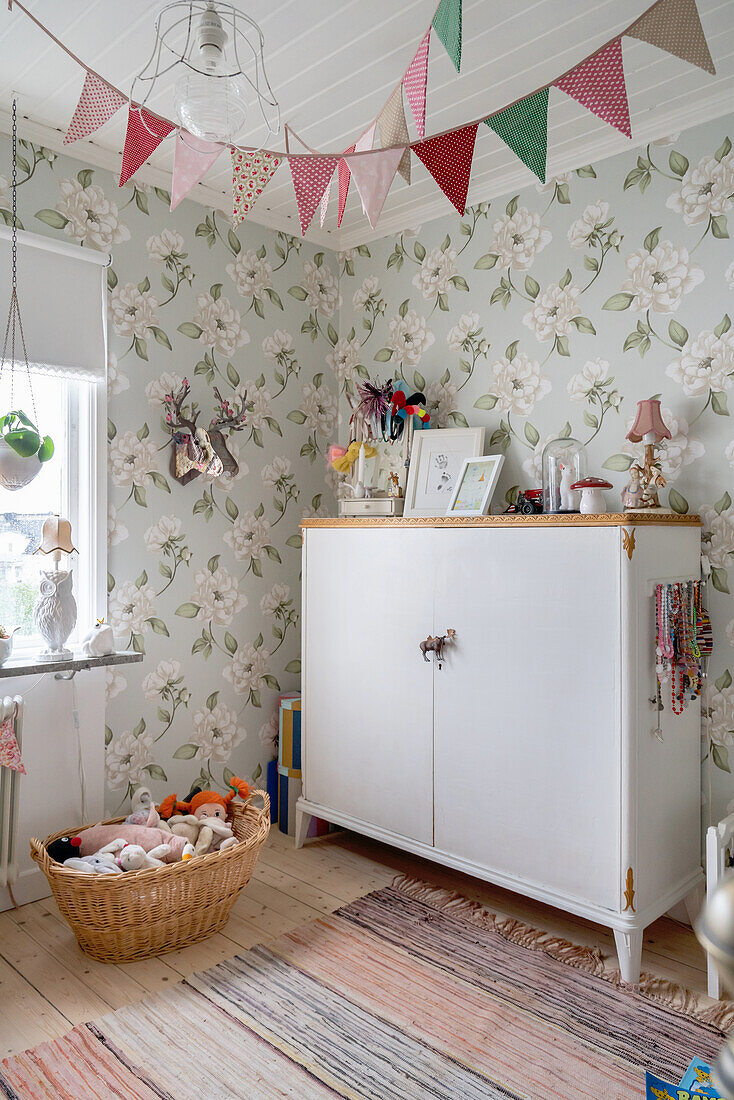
220	324
269	736
705	191
133	311
718	536
114	682
722	716
130	606
460	335
441	398
435	272
165	246
218	596
408	338
281	467
248	668
131	459
343	358
322	288
588	227
216	732
519	238
117	532
319	406
163	678
117	380
678	451
551	314
248	536
250	274
368	290
273	599
260	400
582	385
275	345
168	382
162	532
533	464
729	276
551	183
92	219
518	384
127	757
658	279
705	363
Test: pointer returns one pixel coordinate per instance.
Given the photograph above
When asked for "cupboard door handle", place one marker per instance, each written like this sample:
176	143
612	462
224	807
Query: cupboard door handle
436	645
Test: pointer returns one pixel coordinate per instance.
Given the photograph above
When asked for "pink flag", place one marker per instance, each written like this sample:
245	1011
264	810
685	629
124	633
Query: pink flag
192	159
144	134
373	175
448	158
97	104
414	82
251	173
598	84
365	142
311	177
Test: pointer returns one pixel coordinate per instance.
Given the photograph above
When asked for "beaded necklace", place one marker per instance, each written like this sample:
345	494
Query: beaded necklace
682	640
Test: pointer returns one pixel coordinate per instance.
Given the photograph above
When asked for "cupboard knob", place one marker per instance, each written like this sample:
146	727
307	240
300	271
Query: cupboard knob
436	645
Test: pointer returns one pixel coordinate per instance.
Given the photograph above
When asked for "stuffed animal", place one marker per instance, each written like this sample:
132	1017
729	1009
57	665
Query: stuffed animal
96	864
140	805
148	836
132	857
202	819
65	847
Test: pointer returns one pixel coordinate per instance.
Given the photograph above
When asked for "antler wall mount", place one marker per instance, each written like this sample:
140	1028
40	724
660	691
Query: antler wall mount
196	450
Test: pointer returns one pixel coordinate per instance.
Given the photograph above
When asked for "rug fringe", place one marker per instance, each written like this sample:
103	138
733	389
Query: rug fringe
665	993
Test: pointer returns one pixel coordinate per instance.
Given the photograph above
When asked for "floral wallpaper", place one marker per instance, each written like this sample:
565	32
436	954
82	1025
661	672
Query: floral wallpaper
203	579
552	312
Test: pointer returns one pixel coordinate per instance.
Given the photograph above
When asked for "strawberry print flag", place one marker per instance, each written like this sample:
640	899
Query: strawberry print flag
598	84
415	81
448	158
144	134
9	749
251	174
97	104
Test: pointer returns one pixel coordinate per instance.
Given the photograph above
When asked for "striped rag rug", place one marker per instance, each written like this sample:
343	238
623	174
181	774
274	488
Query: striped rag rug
407	993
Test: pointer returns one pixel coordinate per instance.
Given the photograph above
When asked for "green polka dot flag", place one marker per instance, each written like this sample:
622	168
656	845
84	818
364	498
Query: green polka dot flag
524	127
447	25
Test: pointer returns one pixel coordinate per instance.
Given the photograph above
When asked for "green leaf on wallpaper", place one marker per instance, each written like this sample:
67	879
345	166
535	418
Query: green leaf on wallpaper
652	238
465	366
273	424
363	250
418	380
144	285
331	334
111	431
459	282
139	496
565	431
511	350
563	194
190	329
165	570
619	463
216	291
298	292
465	229
720	754
384	355
511	207
163	195
296	416
484	263
141	200
257	437
111	278
158	626
234	242
259	308
272	553
587	172
718	404
107	736
85	177
531	286
419	251
168	284
260	510
203	505
591	263
164	715
188	610
723	326
211	701
722	504
720	579
678	502
718	226
271	682
318	259
185	752
231	508
724	681
141	580
230	643
446	243
136	641
232	376
52	218
274	297
143	433
258	641
723	150
295	542
318	379
445	377
403	307
443	302
531	434
632	341
294	667
160	336
213	563
458	419
110	583
562	345
486	401
678	163
583	324
159	481
566	279
619	301
678	334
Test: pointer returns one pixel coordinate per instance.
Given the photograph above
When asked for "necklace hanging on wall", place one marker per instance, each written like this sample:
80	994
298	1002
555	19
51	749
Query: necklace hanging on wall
22	448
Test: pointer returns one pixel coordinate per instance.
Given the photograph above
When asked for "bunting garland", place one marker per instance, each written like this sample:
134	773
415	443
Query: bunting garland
144	134
415	82
97	104
251	174
192	159
394	129
344	176
598	85
448	158
524	127
675	26
311	177
447	25
372	178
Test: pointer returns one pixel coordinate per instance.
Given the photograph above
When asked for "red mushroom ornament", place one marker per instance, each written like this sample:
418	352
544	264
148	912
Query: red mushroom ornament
592	495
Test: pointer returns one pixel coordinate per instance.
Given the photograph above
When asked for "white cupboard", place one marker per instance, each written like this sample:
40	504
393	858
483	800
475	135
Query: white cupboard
528	759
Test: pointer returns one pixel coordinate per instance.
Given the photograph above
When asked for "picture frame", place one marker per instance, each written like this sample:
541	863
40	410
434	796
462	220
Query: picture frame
436	460
475	486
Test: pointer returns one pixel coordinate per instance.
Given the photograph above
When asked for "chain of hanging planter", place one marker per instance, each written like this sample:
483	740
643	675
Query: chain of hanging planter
22	448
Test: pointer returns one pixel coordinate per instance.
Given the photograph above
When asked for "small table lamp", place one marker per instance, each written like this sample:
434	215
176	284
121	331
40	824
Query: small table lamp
649	428
55	610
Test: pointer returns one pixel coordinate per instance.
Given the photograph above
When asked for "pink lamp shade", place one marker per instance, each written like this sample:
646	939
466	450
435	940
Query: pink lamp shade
648	420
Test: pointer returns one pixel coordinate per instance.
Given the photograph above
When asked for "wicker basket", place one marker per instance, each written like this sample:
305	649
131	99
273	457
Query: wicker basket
120	918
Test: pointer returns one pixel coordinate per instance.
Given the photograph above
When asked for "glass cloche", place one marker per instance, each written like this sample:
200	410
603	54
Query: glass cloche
564	463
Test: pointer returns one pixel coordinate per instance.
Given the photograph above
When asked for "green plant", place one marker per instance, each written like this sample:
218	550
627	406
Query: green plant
20	433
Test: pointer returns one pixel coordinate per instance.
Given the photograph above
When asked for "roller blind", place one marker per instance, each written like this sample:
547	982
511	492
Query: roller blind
62	289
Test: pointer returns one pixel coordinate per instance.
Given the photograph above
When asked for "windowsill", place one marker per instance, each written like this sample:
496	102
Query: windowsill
30	665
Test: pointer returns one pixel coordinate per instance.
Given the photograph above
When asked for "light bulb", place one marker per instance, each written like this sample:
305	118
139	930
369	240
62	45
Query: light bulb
210	107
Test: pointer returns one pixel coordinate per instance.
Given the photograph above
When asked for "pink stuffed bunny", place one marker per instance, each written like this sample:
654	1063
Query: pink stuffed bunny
147	836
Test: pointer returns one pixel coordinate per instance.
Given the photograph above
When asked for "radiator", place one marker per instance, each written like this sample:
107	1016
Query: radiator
12	705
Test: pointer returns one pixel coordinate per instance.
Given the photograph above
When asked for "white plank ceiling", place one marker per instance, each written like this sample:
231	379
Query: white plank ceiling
332	65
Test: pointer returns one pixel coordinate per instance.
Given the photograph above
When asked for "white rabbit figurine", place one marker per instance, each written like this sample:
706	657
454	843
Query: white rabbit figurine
569	498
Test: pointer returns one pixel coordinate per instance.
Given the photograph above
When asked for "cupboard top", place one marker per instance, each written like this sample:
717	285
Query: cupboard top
607	519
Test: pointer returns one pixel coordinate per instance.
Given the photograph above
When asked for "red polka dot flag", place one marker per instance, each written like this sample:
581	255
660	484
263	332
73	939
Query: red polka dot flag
448	158
311	177
144	134
598	84
97	104
415	81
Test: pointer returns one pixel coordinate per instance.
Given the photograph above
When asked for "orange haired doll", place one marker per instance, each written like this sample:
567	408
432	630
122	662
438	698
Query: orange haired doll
203	817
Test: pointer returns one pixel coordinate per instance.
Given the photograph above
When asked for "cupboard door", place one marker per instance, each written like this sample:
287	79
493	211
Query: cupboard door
526	721
368	749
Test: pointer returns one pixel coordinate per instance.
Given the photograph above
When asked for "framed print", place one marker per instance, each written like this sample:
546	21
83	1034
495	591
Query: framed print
475	484
436	461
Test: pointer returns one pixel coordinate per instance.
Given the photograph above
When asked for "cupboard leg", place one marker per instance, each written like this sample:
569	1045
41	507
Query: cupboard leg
629	953
303	820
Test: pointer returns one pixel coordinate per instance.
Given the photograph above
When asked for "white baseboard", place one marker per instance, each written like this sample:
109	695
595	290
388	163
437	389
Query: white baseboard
31	885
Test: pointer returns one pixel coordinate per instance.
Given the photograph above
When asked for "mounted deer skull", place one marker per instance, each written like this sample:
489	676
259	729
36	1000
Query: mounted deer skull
196	450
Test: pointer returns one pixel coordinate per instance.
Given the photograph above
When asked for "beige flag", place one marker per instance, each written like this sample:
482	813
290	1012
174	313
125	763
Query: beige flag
675	26
394	129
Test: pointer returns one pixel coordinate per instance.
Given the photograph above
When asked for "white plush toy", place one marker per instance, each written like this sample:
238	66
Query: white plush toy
132	857
140	806
100	641
97	864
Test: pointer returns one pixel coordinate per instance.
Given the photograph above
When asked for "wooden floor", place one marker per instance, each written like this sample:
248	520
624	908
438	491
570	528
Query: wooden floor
47	985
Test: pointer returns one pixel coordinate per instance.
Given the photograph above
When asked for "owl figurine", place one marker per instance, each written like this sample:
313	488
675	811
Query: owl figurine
55	613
